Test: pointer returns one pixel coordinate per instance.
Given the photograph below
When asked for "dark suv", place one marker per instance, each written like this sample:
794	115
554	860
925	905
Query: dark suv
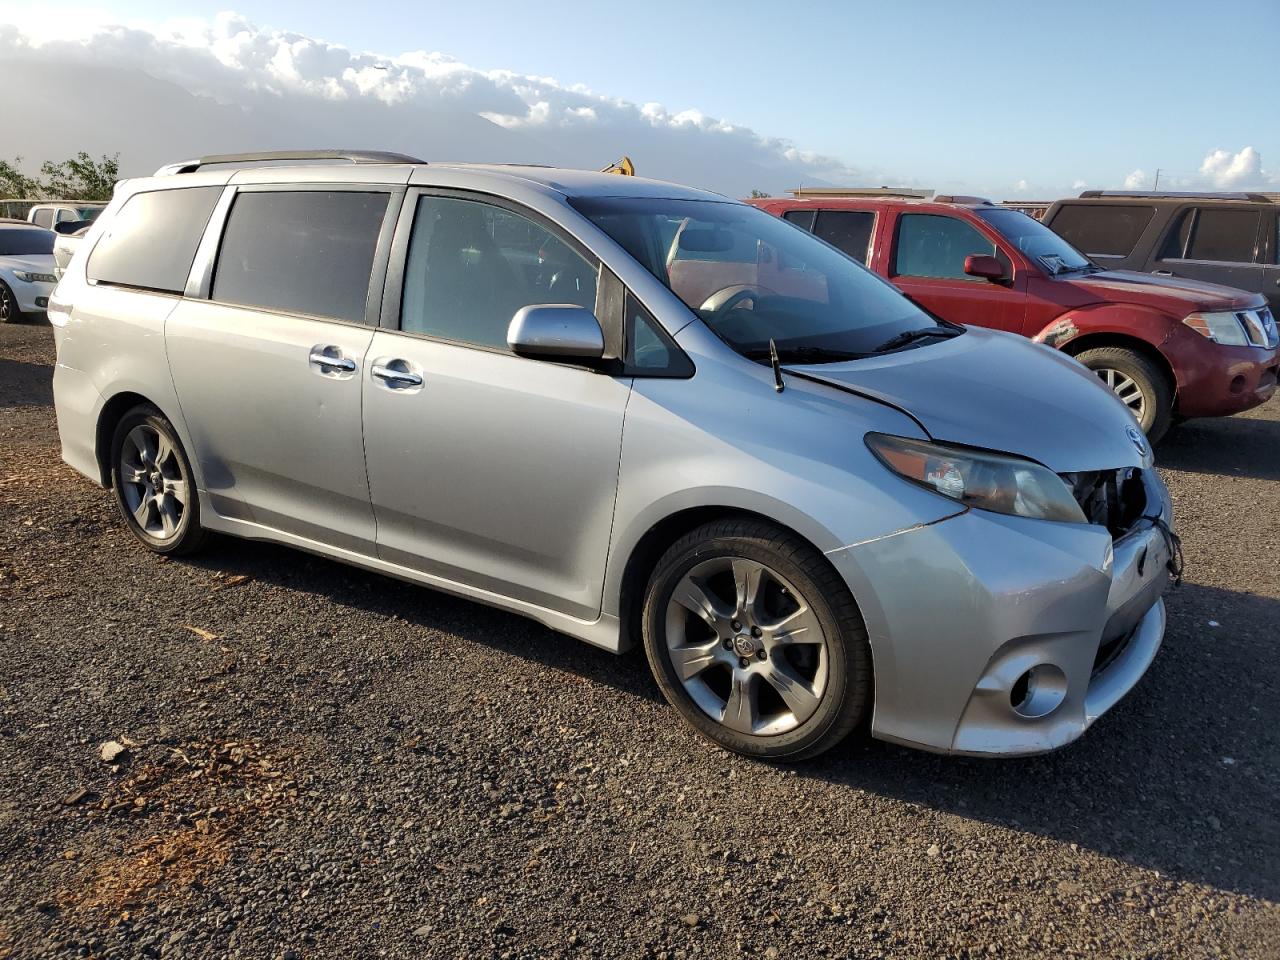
1227	238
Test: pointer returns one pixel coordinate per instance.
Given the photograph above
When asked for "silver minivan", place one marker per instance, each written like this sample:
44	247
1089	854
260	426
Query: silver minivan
631	411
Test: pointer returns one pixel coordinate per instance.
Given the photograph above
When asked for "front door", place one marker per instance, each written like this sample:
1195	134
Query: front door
927	264
488	469
269	369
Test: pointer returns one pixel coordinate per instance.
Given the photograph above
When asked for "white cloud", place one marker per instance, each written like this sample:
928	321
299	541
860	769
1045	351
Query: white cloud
1079	184
1231	171
1021	186
1137	180
261	71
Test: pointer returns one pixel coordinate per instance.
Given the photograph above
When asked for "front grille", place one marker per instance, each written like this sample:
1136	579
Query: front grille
1114	499
1260	327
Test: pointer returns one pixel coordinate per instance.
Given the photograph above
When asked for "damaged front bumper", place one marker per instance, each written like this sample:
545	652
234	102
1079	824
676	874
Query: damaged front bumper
999	635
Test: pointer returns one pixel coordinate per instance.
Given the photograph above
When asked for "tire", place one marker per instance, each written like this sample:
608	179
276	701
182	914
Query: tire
9	312
800	697
1136	377
146	458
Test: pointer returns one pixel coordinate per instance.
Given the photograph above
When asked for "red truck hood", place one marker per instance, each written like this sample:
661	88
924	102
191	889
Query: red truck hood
1176	295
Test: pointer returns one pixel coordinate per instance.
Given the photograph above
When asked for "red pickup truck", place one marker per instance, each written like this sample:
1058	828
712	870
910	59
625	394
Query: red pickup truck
1170	348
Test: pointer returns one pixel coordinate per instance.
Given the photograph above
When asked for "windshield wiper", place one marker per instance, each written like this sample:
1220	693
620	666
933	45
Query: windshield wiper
911	336
803	354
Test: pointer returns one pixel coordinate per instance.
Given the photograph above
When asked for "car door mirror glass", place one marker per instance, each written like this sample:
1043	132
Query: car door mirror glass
556	331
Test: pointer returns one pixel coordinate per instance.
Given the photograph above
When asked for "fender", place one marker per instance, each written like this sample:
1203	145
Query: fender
1153	327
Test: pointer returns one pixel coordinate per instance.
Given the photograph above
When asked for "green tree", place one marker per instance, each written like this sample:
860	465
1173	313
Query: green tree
80	178
758	195
13	183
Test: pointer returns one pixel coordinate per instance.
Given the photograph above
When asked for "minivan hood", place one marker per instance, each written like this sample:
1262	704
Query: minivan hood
1000	392
1176	295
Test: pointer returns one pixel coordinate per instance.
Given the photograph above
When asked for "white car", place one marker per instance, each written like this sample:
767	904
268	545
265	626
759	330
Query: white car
26	269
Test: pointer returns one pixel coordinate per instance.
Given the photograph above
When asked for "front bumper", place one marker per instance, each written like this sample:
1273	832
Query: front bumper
1217	381
31	297
996	635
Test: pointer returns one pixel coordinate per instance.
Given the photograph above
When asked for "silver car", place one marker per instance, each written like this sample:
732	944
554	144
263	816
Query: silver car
633	412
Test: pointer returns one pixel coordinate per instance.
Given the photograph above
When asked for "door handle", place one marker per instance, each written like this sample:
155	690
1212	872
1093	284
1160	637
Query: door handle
331	361
399	378
1163	273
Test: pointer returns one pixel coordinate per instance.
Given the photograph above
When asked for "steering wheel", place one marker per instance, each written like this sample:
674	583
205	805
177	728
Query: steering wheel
720	303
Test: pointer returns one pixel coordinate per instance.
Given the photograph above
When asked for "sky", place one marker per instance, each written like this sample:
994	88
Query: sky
1031	100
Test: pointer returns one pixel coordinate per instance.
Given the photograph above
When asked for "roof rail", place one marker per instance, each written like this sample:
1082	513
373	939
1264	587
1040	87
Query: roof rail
1177	195
269	156
961	198
907	192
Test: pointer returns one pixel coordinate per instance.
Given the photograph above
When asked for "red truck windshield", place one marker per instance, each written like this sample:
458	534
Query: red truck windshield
1036	241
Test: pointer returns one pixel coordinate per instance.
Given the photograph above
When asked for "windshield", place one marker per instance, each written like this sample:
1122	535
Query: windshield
753	278
25	241
1037	241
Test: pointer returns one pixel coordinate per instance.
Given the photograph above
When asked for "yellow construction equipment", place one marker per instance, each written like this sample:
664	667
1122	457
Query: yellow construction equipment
623	167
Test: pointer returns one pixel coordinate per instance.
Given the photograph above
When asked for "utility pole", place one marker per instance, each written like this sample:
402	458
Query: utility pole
1156	186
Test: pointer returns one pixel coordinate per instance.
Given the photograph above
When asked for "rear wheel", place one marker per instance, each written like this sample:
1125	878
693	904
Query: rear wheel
1138	382
9	312
757	641
152	480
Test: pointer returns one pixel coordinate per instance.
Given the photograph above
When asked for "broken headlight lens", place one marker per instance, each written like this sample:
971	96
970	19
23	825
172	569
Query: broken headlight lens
989	481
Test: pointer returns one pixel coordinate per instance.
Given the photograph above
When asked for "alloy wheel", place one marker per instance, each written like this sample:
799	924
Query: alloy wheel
1126	388
747	646
152	482
8	306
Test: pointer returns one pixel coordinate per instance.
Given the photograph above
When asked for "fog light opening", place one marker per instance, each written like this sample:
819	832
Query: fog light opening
1038	692
1237	384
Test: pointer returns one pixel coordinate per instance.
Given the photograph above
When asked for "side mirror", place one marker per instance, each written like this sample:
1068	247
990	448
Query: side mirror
556	331
985	266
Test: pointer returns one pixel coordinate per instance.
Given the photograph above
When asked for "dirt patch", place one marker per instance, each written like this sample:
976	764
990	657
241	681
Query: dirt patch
206	799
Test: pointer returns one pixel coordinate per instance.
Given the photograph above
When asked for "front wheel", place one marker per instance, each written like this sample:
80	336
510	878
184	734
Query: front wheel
1139	384
9	312
153	483
757	641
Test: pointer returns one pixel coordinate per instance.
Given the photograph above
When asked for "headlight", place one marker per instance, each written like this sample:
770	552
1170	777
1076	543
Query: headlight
1223	327
975	478
29	277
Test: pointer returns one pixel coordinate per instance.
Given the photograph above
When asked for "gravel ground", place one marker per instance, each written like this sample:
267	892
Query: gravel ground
319	762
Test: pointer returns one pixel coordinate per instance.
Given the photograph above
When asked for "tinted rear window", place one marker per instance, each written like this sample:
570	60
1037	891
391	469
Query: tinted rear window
1224	235
25	241
151	240
849	231
303	251
1102	230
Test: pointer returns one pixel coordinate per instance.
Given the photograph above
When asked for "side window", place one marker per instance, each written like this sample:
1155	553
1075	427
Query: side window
43	218
930	245
1102	230
300	251
801	218
472	265
1224	234
649	350
150	242
849	231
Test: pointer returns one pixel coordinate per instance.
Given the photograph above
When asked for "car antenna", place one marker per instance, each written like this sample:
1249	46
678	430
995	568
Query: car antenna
776	364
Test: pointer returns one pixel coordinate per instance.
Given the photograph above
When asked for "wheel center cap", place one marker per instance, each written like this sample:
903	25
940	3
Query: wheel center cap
745	645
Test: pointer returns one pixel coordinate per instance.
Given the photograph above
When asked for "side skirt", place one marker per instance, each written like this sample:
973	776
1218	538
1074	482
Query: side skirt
603	632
